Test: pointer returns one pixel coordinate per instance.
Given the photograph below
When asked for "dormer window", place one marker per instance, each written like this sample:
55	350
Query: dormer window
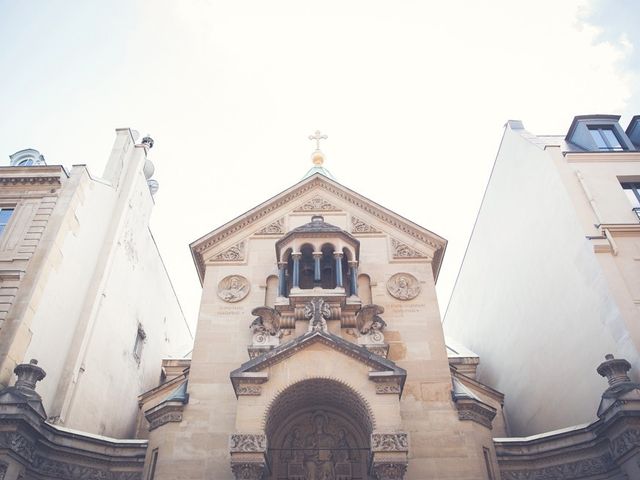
605	137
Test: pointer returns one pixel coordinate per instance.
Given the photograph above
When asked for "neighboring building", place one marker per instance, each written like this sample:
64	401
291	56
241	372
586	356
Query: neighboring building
83	288
550	282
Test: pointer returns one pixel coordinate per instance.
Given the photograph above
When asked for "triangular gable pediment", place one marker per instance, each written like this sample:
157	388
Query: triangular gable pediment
382	369
316	193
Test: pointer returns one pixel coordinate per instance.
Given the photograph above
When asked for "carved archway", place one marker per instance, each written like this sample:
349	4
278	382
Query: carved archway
319	429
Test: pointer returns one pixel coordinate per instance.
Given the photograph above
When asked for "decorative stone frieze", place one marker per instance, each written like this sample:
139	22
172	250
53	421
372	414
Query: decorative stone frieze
389	470
388	387
402	250
247	442
360	226
379	349
476	411
625	442
235	253
249	389
166	412
233	288
316	204
274	228
19	444
248	470
389	442
566	471
403	286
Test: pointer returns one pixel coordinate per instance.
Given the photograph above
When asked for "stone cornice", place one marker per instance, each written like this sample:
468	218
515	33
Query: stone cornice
625	156
317	181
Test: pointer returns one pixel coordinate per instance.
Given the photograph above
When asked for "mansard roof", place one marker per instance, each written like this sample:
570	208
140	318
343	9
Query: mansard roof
238	225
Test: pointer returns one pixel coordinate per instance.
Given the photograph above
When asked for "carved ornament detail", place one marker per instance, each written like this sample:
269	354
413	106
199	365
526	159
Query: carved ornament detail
403	286
389	442
274	228
266	327
389	471
3	470
317	203
370	324
235	253
233	288
402	250
249	389
388	387
567	471
625	442
318	312
19	444
248	470
247	442
359	226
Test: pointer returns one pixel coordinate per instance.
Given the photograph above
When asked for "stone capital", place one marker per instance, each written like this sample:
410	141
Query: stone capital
337	254
389	470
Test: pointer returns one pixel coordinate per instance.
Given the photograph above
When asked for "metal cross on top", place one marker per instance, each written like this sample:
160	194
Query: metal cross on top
317	136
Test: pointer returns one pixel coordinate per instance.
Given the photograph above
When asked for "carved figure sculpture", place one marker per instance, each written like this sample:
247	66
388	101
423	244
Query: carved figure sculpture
317	311
233	288
370	325
403	286
318	453
266	327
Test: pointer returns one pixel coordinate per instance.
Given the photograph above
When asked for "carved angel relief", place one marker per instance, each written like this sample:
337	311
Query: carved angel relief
317	203
359	226
402	250
274	228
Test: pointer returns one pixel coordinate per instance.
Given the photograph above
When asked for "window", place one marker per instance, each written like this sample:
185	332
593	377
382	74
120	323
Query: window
152	464
605	137
137	347
27	162
632	191
487	462
5	215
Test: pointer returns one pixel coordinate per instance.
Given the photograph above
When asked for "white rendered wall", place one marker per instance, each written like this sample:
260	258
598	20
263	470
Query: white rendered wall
107	277
531	298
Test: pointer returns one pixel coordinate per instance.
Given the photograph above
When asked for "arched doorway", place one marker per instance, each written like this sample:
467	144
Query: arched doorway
319	429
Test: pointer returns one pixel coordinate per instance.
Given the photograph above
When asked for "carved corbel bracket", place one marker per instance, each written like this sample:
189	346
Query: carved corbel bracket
387	382
476	411
248	459
390	455
249	383
164	413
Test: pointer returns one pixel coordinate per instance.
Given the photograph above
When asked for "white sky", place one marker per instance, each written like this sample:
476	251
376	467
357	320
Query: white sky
413	96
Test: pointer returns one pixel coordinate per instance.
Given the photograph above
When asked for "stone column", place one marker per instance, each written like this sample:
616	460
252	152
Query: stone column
317	256
282	279
296	269
353	276
338	257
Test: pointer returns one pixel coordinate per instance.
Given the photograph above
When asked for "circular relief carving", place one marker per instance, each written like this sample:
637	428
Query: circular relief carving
233	288
403	286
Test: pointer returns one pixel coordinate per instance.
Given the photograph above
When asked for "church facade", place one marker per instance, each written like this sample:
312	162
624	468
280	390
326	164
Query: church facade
319	352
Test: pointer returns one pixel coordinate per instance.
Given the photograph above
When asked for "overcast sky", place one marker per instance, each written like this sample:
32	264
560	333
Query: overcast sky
413	96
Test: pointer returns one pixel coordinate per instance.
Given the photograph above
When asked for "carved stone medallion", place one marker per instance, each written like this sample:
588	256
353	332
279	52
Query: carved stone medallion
403	286
233	288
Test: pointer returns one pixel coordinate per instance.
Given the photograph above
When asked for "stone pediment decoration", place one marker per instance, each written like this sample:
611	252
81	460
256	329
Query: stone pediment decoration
369	325
317	311
255	371
233	288
403	286
360	226
325	189
235	253
274	228
402	250
317	204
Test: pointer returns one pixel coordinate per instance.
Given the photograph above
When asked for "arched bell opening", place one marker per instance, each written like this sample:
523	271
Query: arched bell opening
327	266
319	429
306	267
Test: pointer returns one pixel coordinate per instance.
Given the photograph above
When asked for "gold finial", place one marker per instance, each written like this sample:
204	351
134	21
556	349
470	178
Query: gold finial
317	157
